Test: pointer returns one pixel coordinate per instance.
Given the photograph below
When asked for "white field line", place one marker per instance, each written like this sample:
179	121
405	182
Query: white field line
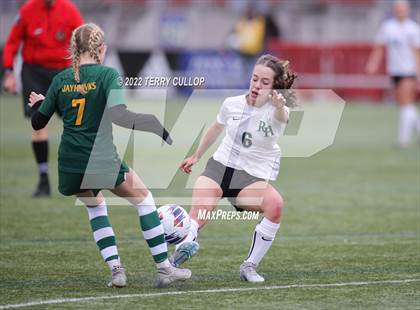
221	290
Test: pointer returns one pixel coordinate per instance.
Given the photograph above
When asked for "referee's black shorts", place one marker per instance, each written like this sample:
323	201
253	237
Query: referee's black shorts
38	79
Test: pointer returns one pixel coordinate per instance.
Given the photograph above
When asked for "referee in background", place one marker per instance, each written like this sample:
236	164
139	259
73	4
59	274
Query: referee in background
44	27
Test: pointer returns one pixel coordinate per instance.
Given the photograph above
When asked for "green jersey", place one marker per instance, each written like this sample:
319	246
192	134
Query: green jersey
86	125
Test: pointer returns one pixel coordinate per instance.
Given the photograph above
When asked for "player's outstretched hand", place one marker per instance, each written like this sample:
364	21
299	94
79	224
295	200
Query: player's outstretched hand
187	164
34	98
277	99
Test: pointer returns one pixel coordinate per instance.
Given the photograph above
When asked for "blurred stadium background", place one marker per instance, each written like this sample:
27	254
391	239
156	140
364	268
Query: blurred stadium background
352	211
327	41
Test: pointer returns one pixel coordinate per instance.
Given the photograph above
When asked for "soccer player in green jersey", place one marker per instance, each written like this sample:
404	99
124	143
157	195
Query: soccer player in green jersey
82	95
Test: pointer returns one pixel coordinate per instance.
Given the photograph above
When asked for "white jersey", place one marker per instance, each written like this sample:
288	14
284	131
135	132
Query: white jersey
401	40
250	142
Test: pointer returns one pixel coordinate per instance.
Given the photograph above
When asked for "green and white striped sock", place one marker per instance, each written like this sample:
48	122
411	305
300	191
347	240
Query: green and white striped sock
104	234
153	231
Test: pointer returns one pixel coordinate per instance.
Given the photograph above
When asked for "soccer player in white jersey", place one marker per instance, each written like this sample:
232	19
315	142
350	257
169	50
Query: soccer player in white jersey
245	161
400	36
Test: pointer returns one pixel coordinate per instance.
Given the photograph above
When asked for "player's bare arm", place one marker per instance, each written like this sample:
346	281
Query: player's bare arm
281	114
211	135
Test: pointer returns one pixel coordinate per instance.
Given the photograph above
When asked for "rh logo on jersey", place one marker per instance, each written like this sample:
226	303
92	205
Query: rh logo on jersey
267	130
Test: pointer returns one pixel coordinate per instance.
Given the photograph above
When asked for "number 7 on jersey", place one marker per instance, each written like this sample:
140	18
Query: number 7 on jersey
81	103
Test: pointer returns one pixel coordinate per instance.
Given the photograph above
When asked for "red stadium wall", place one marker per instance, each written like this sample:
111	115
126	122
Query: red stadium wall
340	67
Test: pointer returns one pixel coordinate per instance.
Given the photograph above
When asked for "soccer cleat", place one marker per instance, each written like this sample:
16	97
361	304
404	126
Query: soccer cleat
248	272
184	252
118	277
43	188
166	276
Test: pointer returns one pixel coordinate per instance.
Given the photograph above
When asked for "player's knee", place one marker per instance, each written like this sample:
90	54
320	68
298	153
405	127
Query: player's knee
142	192
40	135
274	208
135	195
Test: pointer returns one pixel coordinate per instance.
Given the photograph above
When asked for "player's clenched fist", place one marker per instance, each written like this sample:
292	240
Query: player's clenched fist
187	164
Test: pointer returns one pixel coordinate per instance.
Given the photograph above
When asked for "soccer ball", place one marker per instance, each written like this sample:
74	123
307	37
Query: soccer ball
175	221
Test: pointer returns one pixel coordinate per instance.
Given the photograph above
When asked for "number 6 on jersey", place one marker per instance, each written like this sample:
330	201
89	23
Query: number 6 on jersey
247	139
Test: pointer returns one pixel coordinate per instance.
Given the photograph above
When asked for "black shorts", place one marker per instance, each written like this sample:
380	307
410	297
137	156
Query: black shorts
396	79
38	79
230	180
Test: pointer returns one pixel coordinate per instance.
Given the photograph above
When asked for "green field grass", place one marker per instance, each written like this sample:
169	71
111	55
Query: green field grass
352	215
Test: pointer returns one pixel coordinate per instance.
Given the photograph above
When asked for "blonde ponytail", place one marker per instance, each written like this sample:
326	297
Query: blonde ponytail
93	44
85	38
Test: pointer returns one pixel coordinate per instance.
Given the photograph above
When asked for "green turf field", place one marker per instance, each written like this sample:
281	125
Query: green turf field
351	219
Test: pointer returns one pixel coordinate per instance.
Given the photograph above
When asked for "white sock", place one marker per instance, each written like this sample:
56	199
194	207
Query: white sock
104	234
192	234
146	206
264	235
153	231
409	120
